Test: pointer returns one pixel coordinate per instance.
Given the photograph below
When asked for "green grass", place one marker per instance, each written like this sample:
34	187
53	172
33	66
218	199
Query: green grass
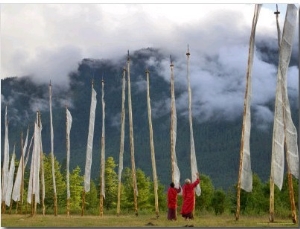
143	220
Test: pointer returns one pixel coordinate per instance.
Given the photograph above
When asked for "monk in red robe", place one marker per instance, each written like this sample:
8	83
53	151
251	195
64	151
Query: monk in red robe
172	201
188	195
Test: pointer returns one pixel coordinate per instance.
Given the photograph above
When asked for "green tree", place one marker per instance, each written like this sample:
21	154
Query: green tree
162	198
91	200
128	189
207	191
255	200
144	185
218	201
76	188
59	181
111	184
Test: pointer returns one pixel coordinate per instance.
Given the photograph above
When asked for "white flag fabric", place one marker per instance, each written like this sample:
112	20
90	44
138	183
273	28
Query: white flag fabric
176	172
103	145
34	179
10	179
18	181
122	130
42	161
194	168
28	150
69	125
5	159
89	147
246	174
290	129
52	140
283	124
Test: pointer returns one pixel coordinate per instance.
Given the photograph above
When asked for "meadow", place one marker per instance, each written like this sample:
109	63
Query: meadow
142	220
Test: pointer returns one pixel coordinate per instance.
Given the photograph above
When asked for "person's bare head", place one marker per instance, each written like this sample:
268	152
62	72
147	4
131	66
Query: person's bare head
187	181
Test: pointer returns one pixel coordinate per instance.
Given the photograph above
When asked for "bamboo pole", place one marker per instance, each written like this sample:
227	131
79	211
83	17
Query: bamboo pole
172	140
292	198
190	116
152	147
246	102
67	149
42	168
32	204
131	138
101	205
172	122
68	207
102	162
22	175
3	208
52	152
290	179
121	143
271	206
10	206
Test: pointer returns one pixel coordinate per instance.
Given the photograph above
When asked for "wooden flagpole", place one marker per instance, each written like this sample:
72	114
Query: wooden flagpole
131	138
290	178
83	192
102	161
271	206
172	122
152	146
42	169
121	141
67	149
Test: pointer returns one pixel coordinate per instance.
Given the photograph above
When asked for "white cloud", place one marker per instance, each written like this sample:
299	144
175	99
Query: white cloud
49	40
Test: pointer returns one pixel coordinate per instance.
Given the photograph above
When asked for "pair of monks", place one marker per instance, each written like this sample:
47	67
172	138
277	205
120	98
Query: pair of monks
188	195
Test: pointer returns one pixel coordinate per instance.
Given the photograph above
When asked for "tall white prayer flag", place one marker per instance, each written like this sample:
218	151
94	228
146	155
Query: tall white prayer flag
173	133
246	172
283	124
10	179
5	159
194	168
89	147
103	145
17	185
68	129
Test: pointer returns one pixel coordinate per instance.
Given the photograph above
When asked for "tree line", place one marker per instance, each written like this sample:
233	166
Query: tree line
216	201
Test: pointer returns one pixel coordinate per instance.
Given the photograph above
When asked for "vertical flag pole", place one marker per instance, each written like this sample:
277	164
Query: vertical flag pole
271	206
22	165
152	146
245	173
121	142
131	138
89	147
172	123
102	162
52	151
68	158
42	166
290	178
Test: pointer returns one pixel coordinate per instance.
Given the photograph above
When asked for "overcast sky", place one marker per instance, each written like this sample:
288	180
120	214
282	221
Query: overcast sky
48	41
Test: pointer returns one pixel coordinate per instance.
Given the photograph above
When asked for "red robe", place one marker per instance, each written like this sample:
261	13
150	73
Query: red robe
188	195
172	197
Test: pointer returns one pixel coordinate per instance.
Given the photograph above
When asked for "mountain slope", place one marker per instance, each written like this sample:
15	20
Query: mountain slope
217	141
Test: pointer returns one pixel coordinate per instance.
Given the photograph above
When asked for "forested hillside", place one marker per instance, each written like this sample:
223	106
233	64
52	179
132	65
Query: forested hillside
217	141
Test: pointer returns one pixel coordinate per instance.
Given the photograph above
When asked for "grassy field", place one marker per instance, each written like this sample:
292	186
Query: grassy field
207	220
